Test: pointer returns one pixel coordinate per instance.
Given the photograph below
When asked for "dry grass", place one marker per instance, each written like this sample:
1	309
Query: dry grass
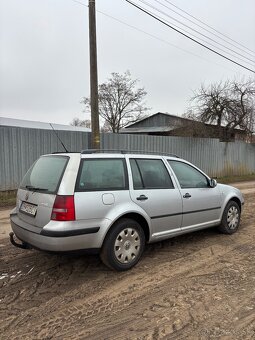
235	179
8	198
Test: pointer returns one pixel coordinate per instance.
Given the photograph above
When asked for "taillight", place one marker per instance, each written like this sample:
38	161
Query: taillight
63	208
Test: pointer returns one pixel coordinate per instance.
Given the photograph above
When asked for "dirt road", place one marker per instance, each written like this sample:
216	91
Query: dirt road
198	286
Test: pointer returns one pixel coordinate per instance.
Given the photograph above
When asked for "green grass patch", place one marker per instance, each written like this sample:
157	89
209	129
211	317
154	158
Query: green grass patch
8	198
234	179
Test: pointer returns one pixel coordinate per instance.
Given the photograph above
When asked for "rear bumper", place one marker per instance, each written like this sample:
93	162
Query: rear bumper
57	241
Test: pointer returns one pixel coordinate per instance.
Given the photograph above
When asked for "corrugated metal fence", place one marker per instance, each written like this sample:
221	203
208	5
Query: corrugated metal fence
20	147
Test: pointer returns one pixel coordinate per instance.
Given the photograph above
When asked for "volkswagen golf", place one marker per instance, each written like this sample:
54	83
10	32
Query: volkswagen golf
116	202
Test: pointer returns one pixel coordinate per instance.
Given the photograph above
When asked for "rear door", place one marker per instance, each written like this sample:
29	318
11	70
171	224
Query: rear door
153	190
102	185
201	203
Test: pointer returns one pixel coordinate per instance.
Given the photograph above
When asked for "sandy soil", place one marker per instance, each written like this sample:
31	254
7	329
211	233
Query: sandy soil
198	286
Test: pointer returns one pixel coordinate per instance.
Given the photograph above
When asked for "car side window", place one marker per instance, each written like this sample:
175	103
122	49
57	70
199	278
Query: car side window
188	176
150	174
102	174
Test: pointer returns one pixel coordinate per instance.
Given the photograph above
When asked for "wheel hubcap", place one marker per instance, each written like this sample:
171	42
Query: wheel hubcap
127	245
232	218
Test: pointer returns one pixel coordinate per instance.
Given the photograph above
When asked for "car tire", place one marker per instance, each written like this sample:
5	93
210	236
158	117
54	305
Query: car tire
123	245
230	218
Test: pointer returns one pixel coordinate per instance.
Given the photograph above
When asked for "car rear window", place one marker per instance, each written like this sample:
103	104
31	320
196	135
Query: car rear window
102	174
45	174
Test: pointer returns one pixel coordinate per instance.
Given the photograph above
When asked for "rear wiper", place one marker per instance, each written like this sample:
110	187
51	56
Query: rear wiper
32	188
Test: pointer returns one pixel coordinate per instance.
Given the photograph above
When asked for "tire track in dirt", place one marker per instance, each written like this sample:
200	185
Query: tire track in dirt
151	311
198	286
121	301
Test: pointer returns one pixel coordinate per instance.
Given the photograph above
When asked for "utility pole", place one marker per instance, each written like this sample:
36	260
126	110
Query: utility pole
95	135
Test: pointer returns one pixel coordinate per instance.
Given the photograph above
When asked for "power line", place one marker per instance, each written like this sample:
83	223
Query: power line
196	37
79	2
158	10
150	35
169	2
156	37
187	36
200	26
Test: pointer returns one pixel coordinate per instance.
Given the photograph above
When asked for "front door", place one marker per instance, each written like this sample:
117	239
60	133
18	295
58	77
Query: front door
201	203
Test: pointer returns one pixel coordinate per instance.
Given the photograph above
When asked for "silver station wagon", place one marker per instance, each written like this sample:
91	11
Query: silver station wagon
116	202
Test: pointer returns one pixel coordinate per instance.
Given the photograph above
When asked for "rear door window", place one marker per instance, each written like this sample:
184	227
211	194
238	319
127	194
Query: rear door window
45	174
102	174
150	174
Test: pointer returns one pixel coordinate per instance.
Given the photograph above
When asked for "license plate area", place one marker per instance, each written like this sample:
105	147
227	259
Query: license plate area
28	209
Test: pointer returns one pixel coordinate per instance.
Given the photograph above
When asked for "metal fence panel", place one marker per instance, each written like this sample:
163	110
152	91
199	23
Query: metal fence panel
214	157
20	147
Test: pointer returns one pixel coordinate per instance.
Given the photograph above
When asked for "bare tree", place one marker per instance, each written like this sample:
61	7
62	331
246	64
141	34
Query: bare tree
241	113
229	104
106	127
211	103
120	101
79	122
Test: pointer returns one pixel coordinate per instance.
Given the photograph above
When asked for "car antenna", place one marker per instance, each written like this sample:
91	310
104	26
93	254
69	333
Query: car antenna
59	138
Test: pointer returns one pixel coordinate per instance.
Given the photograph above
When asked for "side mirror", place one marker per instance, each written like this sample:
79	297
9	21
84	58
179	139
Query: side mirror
212	183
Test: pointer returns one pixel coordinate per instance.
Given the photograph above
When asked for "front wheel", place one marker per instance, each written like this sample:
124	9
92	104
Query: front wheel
230	218
123	245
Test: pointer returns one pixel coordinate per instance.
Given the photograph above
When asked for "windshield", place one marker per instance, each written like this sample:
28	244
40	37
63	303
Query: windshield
45	174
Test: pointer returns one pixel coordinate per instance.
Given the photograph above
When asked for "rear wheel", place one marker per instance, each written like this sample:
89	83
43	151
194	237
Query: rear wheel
231	218
123	245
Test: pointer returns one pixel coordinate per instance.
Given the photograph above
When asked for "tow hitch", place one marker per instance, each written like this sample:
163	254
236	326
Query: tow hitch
21	245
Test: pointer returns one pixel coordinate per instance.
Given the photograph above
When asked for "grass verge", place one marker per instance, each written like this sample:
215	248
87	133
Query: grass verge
8	198
235	179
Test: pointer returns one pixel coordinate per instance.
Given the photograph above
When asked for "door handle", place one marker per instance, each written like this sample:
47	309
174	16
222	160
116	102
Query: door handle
187	195
142	198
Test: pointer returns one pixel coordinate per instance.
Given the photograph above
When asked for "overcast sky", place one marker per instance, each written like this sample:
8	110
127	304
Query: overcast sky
44	56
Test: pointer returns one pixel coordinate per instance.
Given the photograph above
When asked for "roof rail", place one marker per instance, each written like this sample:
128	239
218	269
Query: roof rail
91	151
56	152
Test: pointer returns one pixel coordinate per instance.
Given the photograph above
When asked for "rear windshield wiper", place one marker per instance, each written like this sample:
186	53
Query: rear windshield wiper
32	188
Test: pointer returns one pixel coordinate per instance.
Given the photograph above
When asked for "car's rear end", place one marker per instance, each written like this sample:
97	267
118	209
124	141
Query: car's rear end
44	216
